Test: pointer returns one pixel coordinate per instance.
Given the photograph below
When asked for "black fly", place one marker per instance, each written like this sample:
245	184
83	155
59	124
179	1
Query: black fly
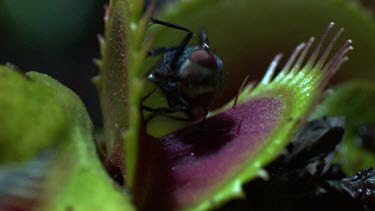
189	76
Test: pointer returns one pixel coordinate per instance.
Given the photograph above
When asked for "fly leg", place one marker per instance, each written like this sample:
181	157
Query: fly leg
169	116
166	112
162	50
178	49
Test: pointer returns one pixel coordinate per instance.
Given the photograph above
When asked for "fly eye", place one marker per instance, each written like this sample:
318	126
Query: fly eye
203	58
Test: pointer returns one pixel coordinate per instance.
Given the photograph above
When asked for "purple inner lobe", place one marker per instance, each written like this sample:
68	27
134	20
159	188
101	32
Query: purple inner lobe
193	161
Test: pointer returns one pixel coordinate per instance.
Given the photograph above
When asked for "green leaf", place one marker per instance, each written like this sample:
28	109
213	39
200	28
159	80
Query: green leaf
77	164
52	126
28	110
123	52
78	181
355	100
112	84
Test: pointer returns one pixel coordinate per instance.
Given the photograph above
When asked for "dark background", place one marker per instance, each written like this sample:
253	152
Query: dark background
58	38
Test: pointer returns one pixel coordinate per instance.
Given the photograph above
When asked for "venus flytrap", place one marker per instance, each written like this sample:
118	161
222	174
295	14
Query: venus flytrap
206	163
280	105
198	167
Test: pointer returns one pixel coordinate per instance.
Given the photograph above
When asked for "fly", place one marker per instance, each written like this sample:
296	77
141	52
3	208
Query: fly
189	76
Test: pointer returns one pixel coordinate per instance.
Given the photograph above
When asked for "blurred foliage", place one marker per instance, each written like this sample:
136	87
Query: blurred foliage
39	114
355	101
25	103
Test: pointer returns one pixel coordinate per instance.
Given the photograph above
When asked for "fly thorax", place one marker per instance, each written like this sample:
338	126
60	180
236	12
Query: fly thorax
197	83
